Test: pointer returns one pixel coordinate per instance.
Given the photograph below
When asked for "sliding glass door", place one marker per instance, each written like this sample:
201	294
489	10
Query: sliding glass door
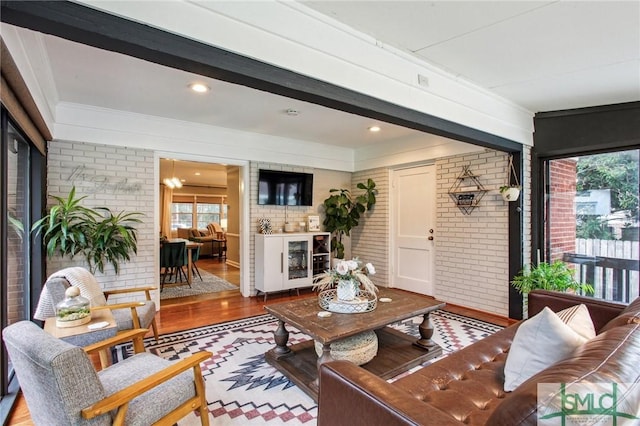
17	204
591	220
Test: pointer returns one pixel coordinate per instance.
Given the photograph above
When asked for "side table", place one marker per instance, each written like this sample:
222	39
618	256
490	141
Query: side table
82	335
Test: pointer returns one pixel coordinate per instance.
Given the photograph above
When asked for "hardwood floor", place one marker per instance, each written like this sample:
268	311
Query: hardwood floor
196	311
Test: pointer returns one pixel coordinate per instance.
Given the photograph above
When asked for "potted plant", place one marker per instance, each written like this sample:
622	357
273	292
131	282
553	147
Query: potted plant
510	193
342	213
555	276
97	234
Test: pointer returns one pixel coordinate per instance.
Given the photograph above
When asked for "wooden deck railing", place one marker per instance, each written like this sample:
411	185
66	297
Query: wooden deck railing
612	278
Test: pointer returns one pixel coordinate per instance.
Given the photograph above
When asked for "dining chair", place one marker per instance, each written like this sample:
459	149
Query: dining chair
61	386
195	255
173	257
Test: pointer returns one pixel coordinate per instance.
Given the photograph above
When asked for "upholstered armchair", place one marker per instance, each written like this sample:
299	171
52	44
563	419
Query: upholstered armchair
127	315
61	387
216	230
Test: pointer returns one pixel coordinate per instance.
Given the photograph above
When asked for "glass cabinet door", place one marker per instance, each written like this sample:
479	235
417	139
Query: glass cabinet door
297	252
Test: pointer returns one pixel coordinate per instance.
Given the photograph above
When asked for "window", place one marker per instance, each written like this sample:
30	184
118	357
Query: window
196	213
207	213
22	165
592	220
181	215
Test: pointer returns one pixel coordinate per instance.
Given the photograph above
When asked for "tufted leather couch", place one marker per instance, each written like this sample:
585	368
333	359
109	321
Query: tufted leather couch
466	387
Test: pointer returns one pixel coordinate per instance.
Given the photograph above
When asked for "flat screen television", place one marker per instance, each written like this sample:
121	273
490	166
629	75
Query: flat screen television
285	188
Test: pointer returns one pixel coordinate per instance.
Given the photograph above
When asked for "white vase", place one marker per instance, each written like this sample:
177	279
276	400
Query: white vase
347	290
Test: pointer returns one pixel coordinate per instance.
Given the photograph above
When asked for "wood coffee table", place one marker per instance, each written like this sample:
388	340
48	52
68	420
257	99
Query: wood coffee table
397	351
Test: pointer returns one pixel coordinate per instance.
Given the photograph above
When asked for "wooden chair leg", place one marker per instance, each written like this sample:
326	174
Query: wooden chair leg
155	329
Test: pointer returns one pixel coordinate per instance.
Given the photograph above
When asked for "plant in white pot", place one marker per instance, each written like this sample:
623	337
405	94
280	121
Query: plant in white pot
511	191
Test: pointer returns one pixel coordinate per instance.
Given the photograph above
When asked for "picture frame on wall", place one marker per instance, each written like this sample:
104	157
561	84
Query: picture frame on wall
313	223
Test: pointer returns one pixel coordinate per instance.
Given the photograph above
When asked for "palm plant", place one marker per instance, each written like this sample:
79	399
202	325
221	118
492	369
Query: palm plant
97	234
112	240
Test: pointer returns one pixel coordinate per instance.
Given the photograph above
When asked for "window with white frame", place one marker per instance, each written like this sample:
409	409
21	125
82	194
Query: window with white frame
196	211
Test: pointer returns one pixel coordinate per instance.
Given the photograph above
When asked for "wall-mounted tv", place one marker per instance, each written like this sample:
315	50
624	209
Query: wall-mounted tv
285	188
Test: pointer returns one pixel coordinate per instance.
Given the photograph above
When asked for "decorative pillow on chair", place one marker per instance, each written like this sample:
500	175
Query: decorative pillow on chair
542	341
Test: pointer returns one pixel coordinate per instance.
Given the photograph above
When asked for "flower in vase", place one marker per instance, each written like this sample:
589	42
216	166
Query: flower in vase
347	270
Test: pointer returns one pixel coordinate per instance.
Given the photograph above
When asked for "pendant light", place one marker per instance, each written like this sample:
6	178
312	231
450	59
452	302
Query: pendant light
173	182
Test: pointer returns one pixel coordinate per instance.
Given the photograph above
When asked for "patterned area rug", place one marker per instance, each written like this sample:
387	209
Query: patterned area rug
242	389
209	284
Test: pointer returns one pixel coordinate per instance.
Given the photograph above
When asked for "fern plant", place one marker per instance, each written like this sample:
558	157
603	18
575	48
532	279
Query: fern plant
555	276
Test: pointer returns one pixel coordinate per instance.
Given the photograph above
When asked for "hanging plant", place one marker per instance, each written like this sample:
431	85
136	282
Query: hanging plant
511	191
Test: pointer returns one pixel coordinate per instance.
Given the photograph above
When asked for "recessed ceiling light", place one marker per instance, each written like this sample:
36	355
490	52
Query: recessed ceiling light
197	173
374	129
199	87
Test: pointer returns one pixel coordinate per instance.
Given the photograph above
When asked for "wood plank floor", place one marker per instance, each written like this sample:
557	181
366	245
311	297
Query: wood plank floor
196	311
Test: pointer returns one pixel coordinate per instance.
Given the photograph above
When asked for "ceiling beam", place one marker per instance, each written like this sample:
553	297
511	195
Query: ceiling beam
95	28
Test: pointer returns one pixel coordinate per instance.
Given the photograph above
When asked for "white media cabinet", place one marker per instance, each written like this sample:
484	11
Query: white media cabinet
290	260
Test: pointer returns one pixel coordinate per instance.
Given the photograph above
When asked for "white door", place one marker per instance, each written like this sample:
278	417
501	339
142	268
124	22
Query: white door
413	196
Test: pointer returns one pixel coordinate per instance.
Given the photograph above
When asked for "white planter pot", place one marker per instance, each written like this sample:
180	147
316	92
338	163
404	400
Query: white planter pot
510	194
346	290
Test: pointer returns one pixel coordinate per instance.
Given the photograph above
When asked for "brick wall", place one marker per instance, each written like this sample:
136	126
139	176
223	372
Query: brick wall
370	239
472	251
323	181
116	177
562	213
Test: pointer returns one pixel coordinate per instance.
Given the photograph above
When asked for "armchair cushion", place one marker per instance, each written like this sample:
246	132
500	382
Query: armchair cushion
146	314
154	404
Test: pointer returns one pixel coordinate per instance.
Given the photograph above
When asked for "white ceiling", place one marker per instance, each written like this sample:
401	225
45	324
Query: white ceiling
540	55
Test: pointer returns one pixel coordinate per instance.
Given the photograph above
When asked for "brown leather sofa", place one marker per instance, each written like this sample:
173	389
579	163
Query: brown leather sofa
466	387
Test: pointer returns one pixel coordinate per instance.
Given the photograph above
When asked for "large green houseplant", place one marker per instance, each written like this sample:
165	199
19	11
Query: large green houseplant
102	237
343	211
555	276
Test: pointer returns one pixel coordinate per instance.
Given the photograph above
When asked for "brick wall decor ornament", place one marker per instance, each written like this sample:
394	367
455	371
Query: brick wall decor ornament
467	191
265	225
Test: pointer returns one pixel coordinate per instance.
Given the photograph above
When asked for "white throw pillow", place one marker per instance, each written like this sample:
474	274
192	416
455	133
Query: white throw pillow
539	342
578	318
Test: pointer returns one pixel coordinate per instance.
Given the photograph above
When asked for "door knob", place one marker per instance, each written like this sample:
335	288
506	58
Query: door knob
431	231
430	238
